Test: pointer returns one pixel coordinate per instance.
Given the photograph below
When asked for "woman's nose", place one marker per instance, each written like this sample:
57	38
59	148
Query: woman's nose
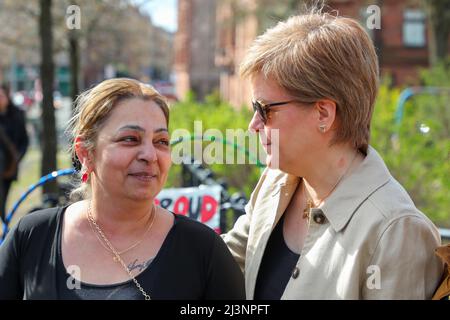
256	124
148	153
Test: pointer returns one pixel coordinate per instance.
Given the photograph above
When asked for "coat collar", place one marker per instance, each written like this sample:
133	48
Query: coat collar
350	193
354	189
283	192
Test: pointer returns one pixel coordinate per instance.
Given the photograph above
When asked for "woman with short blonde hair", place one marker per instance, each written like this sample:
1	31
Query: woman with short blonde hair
326	220
307	54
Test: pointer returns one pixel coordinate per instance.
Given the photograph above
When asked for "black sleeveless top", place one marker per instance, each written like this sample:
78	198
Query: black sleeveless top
276	266
192	263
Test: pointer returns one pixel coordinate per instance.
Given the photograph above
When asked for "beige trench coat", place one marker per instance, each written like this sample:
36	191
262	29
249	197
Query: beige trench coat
368	240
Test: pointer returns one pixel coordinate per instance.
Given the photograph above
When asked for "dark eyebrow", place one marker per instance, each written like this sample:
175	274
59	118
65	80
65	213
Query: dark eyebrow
132	127
138	128
161	130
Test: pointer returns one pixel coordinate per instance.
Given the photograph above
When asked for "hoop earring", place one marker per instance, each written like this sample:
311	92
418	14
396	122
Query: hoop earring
322	127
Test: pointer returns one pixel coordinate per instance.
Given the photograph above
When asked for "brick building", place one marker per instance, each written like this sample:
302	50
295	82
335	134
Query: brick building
402	41
195	47
227	30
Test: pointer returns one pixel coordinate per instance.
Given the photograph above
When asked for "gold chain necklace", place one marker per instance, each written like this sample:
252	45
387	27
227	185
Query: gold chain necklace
310	203
152	219
114	251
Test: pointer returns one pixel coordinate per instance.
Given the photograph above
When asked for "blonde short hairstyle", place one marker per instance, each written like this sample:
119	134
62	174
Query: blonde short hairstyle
315	56
93	107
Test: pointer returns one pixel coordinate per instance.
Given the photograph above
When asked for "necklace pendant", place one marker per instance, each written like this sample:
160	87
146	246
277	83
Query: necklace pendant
115	259
307	210
306	213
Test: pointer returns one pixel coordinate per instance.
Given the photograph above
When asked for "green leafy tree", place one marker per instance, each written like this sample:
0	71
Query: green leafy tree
417	149
215	114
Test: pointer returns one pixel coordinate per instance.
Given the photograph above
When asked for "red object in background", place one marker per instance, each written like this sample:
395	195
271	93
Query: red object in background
209	207
181	201
198	203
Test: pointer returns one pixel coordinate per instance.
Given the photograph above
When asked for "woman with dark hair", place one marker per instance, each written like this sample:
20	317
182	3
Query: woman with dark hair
15	140
8	165
2	169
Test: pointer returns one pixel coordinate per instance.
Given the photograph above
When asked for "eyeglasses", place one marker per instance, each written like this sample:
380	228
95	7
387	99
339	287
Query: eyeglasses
263	109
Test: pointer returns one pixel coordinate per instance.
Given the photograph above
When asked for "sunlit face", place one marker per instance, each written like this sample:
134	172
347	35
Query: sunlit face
132	156
3	101
295	124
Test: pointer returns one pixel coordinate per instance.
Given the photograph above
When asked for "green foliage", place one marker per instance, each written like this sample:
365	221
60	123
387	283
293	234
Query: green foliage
214	114
419	156
437	76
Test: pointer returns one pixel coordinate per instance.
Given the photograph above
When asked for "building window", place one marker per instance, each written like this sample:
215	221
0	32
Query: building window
414	28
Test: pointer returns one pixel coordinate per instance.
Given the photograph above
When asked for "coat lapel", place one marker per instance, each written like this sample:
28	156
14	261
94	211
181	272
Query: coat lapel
266	216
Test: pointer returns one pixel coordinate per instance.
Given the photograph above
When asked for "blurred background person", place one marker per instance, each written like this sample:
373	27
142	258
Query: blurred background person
2	169
8	161
12	122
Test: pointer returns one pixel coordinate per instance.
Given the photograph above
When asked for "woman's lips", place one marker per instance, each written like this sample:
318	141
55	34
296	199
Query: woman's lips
143	176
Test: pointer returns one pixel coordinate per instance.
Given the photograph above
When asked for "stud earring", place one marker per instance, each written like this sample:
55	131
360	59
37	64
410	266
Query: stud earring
322	127
84	177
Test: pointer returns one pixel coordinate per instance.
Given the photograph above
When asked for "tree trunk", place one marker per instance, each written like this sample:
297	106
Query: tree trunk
74	54
74	65
49	143
439	23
